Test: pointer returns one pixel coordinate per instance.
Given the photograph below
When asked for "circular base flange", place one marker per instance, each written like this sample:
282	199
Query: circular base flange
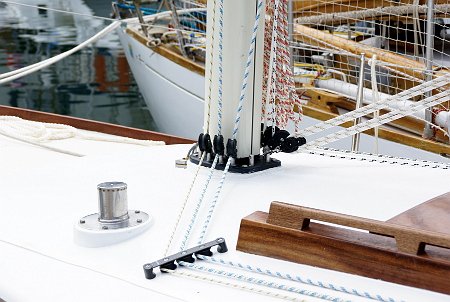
90	232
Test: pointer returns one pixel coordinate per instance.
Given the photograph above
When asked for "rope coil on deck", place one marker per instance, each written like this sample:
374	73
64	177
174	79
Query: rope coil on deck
39	133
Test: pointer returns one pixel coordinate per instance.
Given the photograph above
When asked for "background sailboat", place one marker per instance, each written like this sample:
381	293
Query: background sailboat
326	75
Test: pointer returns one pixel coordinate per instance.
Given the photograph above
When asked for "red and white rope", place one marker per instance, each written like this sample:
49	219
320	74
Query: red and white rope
278	83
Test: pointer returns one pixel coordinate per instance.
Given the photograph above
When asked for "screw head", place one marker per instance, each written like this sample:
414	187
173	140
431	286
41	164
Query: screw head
82	221
105	227
137	211
139	220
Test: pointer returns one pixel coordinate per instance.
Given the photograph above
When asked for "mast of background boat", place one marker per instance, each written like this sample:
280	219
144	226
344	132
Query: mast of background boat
137	4
171	6
238	23
359	103
428	130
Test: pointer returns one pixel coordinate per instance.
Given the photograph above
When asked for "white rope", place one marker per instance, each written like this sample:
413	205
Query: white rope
375	94
368	109
237	119
183	205
211	59
199	204
219	111
54	149
377	158
227	166
10	76
39	133
383	119
15	74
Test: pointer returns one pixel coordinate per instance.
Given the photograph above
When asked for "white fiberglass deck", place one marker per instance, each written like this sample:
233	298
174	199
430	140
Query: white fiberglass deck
43	194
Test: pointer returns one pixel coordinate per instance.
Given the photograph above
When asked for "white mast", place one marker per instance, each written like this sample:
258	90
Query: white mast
238	22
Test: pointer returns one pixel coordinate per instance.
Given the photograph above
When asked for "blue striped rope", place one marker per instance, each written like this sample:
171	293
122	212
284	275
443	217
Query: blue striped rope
263	282
220	95
247	68
297	278
236	125
214	203
308	281
199	203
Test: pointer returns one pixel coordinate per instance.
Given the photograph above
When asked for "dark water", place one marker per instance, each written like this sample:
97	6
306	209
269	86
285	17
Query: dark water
95	83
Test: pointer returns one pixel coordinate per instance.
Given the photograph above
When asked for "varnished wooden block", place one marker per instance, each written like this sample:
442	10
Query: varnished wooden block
389	251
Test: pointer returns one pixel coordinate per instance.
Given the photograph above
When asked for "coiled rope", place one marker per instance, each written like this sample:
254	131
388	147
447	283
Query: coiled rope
39	133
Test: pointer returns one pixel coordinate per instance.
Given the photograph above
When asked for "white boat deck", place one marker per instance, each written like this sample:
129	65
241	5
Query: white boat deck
44	194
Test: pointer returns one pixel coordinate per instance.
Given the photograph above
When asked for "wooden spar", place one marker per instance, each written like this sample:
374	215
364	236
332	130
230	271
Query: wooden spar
318	38
362	13
314	7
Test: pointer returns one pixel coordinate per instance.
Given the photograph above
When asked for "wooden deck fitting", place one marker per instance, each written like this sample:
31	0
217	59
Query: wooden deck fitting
406	249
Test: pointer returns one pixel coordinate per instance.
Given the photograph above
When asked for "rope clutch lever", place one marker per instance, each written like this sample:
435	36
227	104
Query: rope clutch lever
170	262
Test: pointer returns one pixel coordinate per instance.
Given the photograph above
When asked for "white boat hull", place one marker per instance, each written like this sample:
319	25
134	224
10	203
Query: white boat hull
175	97
173	93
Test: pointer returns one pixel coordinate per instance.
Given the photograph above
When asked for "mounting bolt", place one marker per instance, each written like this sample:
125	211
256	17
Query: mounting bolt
105	227
139	220
82	221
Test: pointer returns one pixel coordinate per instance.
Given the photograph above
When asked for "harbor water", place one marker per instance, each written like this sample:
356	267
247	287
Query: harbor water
94	83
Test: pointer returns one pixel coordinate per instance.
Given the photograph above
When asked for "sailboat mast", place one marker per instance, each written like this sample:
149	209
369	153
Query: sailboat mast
428	130
226	62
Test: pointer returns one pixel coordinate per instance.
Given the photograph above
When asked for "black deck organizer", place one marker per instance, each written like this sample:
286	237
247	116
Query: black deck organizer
170	262
242	164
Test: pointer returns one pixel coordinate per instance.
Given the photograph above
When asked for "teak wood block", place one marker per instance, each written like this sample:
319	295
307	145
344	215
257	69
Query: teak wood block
401	254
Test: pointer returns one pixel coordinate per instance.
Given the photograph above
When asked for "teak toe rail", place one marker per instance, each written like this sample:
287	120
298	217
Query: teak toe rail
388	251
